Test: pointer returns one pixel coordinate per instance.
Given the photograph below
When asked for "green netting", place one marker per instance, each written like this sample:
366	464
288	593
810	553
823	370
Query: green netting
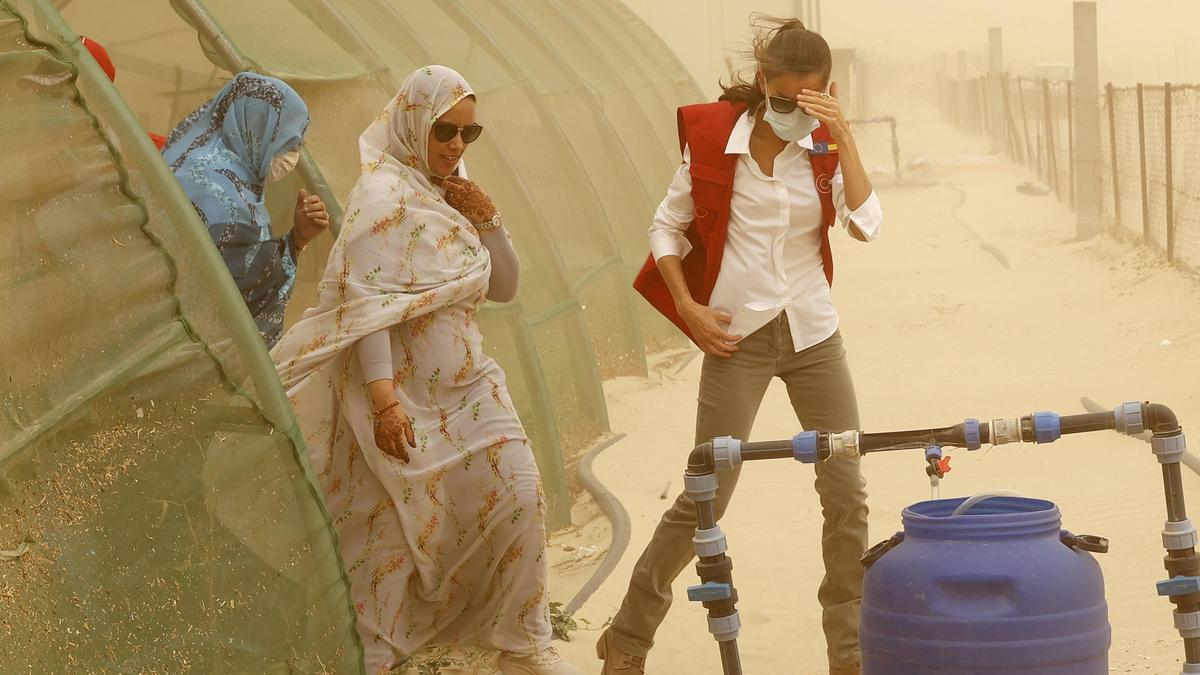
578	99
149	470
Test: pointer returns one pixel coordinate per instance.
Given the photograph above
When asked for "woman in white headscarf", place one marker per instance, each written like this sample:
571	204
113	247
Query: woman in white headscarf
426	470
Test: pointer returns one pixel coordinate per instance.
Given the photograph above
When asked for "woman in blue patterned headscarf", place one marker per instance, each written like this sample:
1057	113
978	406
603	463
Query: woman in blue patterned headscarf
223	154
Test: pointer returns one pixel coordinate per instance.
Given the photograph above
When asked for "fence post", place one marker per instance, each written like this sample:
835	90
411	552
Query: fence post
962	93
1110	102
1070	147
1025	123
982	121
994	101
1142	165
1051	150
1088	205
1170	174
1015	147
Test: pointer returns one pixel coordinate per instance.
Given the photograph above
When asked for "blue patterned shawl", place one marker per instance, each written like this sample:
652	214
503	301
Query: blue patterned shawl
221	154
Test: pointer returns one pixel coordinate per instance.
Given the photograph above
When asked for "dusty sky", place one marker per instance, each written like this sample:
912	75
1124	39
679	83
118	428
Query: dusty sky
1140	40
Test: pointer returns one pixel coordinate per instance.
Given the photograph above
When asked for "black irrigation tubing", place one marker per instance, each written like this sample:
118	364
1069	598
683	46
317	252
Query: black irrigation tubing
617	516
983	243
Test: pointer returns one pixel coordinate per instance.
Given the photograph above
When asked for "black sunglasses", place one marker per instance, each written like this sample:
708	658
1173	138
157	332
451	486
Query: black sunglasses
444	132
782	105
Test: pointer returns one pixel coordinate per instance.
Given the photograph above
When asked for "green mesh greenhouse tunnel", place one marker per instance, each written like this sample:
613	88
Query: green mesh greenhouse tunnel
578	99
142	417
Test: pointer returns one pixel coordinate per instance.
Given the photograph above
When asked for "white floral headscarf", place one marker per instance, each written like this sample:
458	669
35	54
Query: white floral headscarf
402	251
426	95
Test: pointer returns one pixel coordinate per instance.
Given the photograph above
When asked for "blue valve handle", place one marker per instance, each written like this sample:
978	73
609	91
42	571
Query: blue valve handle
710	591
1179	586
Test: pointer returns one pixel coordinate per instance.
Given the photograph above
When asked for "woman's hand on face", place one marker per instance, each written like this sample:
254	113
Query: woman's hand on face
828	110
468	199
709	328
311	218
394	432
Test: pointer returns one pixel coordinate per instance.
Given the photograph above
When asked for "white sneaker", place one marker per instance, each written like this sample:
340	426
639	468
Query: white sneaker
545	662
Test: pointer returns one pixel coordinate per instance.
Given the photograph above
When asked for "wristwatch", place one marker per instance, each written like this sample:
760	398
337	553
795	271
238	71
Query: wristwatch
490	225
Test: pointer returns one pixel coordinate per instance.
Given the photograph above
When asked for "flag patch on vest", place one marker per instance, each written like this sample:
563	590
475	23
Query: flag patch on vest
824	148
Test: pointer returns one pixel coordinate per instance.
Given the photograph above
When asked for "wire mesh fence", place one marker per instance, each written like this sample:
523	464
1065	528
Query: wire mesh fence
1150	177
1185	137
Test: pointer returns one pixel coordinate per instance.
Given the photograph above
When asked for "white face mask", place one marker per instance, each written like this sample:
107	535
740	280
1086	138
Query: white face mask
791	127
282	165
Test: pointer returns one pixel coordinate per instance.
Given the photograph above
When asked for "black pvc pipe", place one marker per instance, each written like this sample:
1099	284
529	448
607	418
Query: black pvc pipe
716	568
1099	421
1191	650
766	454
766	450
1173	489
1162	421
766	446
917	438
730	661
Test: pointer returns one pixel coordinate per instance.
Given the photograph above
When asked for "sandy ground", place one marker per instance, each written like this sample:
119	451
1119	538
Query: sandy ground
937	330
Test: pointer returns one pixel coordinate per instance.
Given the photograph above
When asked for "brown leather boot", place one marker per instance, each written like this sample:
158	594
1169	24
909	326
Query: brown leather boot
617	662
853	669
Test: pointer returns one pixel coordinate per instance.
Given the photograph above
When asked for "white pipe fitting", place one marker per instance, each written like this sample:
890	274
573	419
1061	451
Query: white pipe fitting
844	444
1178	535
1188	624
710	542
725	628
727	453
700	488
1006	430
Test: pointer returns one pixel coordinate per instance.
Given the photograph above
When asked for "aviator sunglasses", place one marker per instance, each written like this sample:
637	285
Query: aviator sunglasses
783	106
445	131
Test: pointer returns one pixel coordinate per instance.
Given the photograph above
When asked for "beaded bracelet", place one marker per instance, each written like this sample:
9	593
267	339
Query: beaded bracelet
384	409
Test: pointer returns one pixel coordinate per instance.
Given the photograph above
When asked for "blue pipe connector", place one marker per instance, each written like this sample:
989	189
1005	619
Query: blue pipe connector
971	433
804	447
1047	427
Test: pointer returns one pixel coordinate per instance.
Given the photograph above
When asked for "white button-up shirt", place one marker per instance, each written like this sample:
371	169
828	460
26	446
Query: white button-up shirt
772	257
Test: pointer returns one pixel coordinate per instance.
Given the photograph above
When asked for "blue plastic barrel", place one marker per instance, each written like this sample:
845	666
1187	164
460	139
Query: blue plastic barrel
994	590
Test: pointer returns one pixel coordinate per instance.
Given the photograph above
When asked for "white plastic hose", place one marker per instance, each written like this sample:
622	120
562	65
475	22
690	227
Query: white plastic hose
975	499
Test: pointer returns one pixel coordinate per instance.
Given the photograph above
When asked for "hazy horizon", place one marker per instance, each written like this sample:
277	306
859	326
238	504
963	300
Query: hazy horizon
1147	41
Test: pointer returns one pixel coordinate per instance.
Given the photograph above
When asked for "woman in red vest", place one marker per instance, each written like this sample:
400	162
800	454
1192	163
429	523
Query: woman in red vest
741	263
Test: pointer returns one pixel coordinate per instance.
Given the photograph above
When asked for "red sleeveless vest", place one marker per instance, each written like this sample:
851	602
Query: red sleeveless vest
705	129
